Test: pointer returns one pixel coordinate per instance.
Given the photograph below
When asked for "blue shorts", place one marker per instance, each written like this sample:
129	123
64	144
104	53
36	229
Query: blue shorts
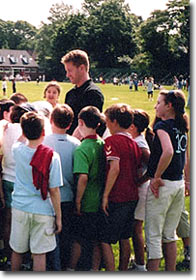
119	224
86	227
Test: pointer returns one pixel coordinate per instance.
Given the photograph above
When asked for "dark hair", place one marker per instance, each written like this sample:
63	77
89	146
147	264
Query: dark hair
32	125
122	113
18	98
91	116
62	115
141	120
5	107
177	99
52	84
19	110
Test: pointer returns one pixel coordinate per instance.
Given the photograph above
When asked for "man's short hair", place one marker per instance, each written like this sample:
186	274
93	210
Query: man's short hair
62	115
32	125
77	57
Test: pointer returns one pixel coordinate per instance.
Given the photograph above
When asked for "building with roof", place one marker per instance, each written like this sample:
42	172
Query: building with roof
18	63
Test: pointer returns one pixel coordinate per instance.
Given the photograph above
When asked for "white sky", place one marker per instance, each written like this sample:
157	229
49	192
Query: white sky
35	11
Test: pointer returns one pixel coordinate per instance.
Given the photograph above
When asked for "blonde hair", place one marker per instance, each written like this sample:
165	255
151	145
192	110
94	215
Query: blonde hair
77	57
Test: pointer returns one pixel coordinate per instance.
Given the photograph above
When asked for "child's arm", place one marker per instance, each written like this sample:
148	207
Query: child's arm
56	202
164	161
145	155
111	178
82	183
2	199
187	170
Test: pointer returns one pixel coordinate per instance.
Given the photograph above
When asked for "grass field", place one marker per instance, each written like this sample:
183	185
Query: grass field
113	94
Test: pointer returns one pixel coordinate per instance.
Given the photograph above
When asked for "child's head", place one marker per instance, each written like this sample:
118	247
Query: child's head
140	120
62	116
18	98
177	100
52	92
5	109
121	113
91	116
19	110
32	125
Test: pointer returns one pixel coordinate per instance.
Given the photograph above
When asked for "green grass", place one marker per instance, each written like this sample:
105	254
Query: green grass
113	94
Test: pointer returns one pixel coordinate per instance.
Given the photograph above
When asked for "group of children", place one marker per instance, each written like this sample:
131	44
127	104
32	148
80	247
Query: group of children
68	198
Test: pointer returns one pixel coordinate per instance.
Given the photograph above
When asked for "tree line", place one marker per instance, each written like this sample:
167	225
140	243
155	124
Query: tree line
111	34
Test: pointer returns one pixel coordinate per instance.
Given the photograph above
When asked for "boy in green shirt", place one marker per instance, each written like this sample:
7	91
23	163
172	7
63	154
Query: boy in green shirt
89	165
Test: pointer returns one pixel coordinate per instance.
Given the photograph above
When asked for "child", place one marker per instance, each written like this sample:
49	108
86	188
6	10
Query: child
150	87
10	136
121	193
36	195
140	123
18	98
4	86
89	165
165	198
61	119
52	92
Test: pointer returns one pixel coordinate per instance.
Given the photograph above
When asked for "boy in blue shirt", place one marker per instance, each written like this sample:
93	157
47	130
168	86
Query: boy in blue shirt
36	212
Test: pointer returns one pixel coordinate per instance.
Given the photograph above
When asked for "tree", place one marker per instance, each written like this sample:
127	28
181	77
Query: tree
109	33
60	13
165	40
71	35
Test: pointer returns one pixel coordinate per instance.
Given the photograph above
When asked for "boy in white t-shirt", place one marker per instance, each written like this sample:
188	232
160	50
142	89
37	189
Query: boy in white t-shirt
36	210
140	123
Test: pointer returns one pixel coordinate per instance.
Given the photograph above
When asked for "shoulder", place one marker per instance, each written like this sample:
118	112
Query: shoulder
141	141
164	125
91	87
73	140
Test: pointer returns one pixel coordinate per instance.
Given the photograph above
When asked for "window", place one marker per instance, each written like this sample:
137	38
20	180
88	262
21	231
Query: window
2	59
13	59
25	59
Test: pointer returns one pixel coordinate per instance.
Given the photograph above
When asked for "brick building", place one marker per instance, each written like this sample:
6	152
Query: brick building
18	63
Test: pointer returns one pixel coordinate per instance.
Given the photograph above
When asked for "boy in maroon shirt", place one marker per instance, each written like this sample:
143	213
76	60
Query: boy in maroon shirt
121	194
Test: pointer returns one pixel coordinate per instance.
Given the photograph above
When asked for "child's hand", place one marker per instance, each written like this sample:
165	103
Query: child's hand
78	208
155	183
58	225
105	205
187	188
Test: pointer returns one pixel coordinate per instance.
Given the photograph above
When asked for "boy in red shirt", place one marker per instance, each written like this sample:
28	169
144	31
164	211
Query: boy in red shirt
121	194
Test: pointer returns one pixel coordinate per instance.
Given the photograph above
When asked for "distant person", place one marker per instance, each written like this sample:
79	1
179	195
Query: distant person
14	85
135	82
85	92
150	88
4	86
52	92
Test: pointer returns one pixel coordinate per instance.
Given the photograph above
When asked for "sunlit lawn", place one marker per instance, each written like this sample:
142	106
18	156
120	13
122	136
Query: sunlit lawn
113	94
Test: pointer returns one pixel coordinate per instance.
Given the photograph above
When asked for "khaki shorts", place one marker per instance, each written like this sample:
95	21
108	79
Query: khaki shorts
32	231
183	229
141	205
162	216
